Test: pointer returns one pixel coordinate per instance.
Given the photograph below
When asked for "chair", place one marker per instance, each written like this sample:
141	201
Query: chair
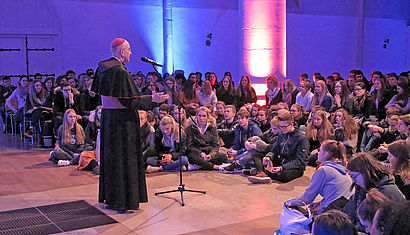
9	114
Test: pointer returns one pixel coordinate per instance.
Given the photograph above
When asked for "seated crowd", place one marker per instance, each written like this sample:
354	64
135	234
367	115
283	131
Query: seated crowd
355	132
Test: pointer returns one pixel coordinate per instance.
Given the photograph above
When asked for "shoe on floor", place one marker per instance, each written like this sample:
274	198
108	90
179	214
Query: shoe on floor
151	169
251	171
193	167
260	178
96	170
63	162
233	168
51	156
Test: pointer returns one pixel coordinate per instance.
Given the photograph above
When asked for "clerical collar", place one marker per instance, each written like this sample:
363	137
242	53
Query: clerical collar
118	60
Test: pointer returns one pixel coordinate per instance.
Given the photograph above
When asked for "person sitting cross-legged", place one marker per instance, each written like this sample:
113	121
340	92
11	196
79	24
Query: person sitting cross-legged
164	154
71	141
226	129
286	159
203	142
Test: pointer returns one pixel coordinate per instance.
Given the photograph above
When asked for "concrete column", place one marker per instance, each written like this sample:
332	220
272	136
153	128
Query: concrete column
263	36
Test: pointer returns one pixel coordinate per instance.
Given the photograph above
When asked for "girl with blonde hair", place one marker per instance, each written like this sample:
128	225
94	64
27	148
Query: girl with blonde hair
168	147
203	142
274	94
318	130
206	96
71	140
322	96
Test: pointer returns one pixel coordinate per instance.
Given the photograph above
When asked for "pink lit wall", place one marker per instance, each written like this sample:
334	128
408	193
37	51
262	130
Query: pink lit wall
264	41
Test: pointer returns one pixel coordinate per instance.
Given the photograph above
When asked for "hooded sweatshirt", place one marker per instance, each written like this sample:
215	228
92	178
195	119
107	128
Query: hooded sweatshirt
21	95
331	181
242	134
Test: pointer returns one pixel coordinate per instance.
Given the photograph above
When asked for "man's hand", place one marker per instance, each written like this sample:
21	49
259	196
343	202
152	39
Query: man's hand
232	152
265	160
71	97
166	159
205	156
159	97
314	152
382	149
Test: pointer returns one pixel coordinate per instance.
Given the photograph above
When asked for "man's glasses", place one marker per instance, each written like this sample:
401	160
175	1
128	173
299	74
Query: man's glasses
284	127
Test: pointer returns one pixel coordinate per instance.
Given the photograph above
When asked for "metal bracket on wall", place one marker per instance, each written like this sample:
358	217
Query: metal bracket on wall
27	59
30	75
33	49
10	49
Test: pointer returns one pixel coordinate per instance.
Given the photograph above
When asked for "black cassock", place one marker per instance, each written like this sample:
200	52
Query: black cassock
122	170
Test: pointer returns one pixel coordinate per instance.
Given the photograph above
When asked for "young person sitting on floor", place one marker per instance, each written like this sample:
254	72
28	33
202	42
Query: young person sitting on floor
286	159
333	222
259	146
226	129
168	146
318	130
90	159
245	130
368	173
203	142
71	141
368	207
399	165
330	180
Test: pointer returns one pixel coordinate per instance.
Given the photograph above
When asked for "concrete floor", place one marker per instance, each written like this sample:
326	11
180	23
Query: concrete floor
231	204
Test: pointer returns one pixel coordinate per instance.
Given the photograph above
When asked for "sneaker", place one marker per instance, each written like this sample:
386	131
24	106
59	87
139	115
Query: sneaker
251	171
51	156
63	162
260	178
151	169
96	170
193	167
233	168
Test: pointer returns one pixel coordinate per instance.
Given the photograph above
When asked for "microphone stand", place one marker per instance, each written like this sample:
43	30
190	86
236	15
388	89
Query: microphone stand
181	186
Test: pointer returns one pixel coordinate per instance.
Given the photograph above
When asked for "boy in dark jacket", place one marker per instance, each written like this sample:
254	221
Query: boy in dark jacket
226	129
286	159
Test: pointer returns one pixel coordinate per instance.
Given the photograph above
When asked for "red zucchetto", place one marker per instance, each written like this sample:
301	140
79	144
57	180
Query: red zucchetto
116	42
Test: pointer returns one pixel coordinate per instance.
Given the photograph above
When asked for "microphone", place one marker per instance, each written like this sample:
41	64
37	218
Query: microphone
145	59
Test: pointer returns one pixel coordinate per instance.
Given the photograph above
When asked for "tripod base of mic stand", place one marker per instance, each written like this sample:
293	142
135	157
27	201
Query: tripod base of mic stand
181	189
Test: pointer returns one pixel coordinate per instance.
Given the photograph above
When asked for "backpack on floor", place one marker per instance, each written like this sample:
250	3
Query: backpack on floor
47	135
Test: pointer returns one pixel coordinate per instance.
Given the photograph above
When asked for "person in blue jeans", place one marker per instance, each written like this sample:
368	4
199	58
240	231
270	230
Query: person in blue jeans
246	129
168	146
